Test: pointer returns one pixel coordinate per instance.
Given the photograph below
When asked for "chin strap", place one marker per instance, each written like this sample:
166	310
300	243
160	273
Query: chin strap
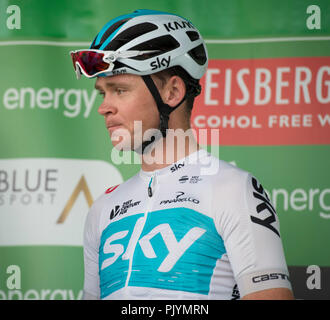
163	108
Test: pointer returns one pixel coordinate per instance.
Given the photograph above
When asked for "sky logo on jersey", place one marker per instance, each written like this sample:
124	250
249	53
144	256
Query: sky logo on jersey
174	249
263	208
177	167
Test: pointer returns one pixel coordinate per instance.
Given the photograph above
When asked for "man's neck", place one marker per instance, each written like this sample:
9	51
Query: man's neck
169	150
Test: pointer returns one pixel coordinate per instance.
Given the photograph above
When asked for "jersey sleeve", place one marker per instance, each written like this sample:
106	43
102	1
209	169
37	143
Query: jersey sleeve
91	252
250	229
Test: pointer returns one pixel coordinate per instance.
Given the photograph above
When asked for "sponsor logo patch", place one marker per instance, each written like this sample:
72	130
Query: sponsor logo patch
263	207
270	276
180	198
119	210
235	294
109	190
177	167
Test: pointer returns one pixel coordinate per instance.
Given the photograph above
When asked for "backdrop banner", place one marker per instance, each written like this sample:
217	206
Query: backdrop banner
266	92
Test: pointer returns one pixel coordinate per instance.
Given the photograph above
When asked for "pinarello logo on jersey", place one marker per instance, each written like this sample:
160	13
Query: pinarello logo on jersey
109	190
180	198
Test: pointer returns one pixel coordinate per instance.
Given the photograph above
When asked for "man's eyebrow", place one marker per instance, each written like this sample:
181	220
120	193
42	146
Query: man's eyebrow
111	84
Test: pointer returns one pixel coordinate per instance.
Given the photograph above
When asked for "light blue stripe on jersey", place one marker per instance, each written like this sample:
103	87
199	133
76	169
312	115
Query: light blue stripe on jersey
188	236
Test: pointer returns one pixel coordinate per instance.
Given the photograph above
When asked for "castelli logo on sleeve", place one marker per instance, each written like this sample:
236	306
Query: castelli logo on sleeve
271	276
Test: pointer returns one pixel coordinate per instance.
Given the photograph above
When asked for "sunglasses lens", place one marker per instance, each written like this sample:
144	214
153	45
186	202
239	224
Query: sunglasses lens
92	62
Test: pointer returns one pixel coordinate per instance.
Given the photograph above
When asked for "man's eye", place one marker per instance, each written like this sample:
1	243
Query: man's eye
120	91
101	93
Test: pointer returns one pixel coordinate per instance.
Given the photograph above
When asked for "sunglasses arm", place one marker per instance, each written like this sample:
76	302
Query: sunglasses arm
78	71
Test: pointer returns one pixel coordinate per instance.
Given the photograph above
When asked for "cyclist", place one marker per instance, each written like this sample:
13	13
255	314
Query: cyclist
178	229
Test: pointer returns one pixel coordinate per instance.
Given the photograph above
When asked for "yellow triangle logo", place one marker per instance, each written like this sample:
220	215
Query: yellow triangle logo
81	187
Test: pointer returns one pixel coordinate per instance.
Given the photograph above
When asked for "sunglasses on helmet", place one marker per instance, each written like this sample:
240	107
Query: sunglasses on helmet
91	63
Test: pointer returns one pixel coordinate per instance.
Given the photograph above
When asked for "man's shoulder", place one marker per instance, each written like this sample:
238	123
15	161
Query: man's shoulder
112	192
228	180
224	170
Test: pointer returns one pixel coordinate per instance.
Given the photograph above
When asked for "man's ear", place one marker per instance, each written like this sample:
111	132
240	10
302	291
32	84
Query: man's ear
174	91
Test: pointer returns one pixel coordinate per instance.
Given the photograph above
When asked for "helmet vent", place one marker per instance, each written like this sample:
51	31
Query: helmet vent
111	29
198	54
163	44
193	35
135	31
130	34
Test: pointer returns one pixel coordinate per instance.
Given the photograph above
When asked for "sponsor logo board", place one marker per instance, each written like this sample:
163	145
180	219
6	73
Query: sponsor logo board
46	201
272	101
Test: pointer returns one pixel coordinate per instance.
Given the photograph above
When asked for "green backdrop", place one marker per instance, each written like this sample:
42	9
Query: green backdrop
55	150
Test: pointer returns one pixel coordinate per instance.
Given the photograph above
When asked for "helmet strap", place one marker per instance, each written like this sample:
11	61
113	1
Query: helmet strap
163	109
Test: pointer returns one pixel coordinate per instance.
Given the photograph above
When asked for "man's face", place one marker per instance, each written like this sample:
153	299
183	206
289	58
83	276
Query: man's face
126	99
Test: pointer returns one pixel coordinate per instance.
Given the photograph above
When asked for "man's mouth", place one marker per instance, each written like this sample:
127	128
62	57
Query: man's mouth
113	128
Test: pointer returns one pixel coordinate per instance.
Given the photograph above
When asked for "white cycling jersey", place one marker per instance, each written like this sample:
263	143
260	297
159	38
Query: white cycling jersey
199	228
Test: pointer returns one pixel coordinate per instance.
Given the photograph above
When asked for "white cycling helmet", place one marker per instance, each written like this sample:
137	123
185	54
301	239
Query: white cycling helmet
174	40
146	42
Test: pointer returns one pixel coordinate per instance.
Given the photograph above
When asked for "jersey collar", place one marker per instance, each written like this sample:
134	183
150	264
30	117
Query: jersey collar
191	159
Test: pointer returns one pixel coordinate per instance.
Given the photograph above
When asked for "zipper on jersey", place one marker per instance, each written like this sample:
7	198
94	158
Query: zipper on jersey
152	179
151	191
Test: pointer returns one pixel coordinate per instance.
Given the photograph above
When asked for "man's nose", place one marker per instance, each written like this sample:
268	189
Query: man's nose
106	107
